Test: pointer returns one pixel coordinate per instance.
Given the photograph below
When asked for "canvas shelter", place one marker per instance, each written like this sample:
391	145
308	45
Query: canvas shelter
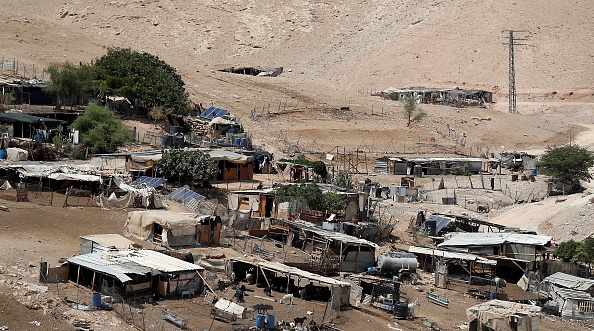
25	126
497	315
233	166
172	229
135	272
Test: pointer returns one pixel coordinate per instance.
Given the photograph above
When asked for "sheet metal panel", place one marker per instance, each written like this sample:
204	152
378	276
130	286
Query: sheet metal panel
159	261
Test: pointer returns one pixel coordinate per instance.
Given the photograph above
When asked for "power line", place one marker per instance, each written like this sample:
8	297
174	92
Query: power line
512	70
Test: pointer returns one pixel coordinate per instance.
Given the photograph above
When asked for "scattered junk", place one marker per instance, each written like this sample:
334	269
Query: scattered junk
255	71
436	299
498	315
174	318
228	311
170	229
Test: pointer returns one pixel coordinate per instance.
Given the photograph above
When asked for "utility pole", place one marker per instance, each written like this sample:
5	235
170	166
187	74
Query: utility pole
512	70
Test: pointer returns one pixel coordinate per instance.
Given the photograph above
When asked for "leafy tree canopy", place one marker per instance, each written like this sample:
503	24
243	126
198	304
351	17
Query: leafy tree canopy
187	165
319	167
568	163
69	82
141	77
412	112
311	195
585	252
101	130
567	250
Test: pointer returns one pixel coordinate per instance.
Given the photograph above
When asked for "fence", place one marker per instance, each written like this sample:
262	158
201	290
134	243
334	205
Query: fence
47	196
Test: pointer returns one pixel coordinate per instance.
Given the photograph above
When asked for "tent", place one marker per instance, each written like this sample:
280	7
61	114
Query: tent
173	229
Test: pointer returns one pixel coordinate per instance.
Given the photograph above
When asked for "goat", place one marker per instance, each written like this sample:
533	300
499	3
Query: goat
239	295
299	320
268	291
411	309
287	297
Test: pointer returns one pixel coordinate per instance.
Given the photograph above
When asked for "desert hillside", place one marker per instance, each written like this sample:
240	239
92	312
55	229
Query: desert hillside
346	45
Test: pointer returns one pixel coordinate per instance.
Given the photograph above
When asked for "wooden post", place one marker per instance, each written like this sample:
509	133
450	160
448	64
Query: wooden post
265	278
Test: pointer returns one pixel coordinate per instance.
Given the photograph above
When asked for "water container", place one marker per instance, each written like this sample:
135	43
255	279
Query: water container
270	321
260	320
167	140
418	171
400	310
2	153
243	142
237	141
431	227
175	129
96	299
534	172
491	296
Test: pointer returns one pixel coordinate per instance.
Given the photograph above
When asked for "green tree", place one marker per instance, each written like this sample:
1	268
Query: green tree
585	253
568	163
7	98
567	250
142	78
70	83
334	201
412	112
187	165
344	180
309	194
101	130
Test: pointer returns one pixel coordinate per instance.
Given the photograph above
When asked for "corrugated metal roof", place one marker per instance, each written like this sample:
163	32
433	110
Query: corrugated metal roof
495	238
569	281
159	261
110	240
331	235
109	264
450	255
567	293
120	264
283	268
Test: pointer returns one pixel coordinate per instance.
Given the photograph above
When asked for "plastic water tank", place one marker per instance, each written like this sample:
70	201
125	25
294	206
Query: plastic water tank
260	320
418	171
387	263
2	154
96	299
270	321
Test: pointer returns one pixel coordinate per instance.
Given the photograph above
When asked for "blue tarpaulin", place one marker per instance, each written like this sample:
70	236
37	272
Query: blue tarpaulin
185	195
149	181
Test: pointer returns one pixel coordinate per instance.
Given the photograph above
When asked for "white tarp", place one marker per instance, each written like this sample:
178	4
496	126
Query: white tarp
80	177
230	307
16	154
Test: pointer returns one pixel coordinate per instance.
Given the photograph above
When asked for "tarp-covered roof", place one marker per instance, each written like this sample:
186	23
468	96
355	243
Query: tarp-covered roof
50	123
79	177
220	155
140	223
44	169
495	238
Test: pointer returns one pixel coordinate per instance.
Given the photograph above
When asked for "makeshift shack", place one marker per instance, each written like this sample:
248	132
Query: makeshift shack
571	295
497	315
292	280
331	251
431	166
233	166
172	229
133	273
25	126
259	202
